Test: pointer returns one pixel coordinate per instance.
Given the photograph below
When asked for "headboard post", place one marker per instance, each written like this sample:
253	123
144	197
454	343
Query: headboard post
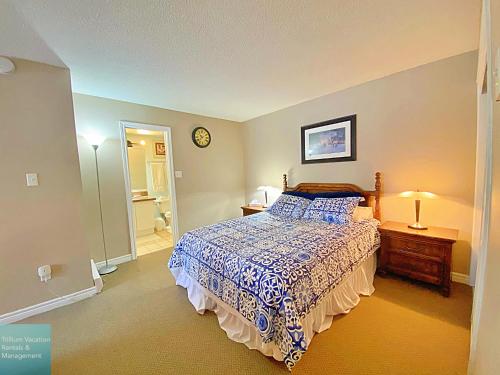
378	186
285	182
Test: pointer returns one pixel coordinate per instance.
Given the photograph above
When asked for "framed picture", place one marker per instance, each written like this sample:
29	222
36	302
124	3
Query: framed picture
329	141
160	149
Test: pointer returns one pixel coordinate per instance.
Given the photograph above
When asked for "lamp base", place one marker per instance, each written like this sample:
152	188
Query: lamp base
417	226
104	270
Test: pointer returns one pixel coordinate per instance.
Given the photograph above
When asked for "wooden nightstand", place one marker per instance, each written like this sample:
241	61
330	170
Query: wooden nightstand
423	255
250	210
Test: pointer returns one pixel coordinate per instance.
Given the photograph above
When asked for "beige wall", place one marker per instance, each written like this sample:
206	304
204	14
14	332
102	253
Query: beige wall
417	127
39	225
487	356
212	188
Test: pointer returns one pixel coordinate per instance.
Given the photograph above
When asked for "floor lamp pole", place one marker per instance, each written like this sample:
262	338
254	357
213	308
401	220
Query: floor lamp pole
107	268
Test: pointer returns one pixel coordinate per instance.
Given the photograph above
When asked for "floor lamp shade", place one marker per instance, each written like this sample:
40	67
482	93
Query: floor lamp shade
94	139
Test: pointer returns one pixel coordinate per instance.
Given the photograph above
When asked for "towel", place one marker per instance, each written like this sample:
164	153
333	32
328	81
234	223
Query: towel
158	177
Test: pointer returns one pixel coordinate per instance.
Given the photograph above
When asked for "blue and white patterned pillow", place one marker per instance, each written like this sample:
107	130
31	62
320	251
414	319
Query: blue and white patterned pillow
332	210
289	206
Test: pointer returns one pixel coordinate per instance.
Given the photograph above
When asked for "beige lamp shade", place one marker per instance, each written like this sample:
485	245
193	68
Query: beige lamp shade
417	194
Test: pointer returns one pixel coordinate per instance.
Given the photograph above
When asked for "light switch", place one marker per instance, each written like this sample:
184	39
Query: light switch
178	174
31	179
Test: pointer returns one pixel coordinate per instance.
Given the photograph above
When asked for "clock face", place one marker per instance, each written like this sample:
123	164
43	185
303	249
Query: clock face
201	137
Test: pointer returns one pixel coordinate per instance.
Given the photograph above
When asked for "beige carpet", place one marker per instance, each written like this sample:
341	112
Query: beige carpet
143	324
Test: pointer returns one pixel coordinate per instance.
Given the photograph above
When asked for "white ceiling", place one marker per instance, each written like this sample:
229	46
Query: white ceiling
240	59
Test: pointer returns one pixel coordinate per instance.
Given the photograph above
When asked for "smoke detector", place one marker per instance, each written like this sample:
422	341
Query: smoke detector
6	65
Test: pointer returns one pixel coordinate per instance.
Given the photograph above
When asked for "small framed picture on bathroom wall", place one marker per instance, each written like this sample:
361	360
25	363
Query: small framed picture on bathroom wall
159	149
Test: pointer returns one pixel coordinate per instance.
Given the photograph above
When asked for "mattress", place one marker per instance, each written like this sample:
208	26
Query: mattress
271	274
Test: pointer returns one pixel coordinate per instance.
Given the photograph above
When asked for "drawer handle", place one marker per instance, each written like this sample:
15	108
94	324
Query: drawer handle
418	255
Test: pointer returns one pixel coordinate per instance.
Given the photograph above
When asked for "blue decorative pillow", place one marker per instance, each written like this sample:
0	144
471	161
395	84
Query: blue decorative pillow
325	194
289	206
332	210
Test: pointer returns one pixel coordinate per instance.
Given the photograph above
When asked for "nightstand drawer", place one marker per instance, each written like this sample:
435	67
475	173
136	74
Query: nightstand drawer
421	269
426	249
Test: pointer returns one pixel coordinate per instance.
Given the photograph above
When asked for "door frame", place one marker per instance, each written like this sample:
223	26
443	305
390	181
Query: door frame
169	164
485	64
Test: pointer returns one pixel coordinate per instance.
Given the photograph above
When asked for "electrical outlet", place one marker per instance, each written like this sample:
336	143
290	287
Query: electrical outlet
178	174
31	179
45	273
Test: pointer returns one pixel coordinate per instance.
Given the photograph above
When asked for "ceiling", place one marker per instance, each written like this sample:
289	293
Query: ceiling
143	132
238	59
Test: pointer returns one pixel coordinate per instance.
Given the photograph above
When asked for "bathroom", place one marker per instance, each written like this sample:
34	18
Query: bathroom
149	184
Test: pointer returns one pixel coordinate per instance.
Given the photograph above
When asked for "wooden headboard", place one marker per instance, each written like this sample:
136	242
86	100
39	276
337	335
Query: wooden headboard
372	197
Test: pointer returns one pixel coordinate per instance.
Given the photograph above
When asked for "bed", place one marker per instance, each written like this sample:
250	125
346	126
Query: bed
274	281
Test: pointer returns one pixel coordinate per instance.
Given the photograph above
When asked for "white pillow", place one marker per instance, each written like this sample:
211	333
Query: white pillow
362	213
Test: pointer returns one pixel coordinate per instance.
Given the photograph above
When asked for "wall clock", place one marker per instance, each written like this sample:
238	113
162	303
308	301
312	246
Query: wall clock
201	137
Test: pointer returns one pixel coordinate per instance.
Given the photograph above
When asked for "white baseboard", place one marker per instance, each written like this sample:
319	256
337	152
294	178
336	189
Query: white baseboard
26	312
116	261
461	278
99	284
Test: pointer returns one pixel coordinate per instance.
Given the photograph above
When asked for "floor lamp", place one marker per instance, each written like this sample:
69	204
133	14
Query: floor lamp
96	141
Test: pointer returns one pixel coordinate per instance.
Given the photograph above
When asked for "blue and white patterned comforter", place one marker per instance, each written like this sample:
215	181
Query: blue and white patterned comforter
274	270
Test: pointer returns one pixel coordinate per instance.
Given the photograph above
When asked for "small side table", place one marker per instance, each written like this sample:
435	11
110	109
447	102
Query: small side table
250	210
423	255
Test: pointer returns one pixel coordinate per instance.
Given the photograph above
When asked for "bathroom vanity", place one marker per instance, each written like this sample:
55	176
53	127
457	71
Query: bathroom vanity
144	215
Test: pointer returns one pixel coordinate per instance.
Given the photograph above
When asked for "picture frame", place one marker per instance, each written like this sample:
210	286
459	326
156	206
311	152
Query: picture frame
159	148
329	141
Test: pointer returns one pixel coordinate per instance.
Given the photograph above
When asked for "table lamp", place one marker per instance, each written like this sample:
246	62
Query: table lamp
265	189
417	195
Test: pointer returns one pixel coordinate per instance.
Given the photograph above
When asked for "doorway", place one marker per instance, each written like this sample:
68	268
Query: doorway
150	187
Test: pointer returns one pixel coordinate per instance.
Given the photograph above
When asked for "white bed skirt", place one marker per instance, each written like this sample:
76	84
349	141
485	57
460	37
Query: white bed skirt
341	300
